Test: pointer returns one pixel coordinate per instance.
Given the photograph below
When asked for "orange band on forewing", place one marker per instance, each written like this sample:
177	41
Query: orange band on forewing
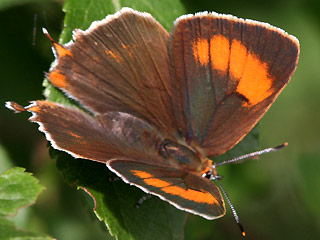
220	51
200	50
57	79
238	57
251	73
254	81
61	51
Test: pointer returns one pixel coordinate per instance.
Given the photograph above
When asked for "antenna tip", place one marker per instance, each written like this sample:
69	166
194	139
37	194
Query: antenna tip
281	146
45	31
241	229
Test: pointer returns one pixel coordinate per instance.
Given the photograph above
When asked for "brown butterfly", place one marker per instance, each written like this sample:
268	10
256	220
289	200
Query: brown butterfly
160	104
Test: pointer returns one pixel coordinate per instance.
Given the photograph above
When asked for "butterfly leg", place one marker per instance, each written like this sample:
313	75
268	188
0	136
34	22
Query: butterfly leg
142	199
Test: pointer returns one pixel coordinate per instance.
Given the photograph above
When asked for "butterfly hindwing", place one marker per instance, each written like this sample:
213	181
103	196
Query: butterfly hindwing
229	72
180	188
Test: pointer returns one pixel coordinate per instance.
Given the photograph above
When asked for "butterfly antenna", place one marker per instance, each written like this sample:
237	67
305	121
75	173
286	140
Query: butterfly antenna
45	32
142	199
234	212
251	155
34	30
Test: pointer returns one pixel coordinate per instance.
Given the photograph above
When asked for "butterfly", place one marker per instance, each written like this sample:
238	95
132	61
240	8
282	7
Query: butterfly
159	106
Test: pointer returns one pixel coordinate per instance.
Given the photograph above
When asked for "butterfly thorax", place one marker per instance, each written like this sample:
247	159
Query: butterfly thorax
185	157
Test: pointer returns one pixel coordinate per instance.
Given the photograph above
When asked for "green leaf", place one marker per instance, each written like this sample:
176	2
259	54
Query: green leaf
81	13
17	189
5	159
9	231
166	12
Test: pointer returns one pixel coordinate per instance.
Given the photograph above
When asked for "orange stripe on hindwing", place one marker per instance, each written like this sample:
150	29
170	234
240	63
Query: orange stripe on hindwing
141	174
192	195
189	194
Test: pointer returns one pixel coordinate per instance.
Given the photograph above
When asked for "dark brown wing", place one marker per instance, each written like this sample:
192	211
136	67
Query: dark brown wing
99	138
119	64
180	188
229	71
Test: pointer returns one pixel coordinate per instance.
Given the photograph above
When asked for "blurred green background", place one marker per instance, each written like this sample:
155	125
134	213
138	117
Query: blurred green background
277	197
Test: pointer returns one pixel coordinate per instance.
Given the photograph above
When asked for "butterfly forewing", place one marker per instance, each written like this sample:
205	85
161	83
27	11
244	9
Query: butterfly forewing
229	71
119	64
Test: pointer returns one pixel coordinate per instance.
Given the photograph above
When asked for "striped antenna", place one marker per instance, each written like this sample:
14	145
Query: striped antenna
251	155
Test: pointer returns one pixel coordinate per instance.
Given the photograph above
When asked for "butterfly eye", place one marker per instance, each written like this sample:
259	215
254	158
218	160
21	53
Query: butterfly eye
207	175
